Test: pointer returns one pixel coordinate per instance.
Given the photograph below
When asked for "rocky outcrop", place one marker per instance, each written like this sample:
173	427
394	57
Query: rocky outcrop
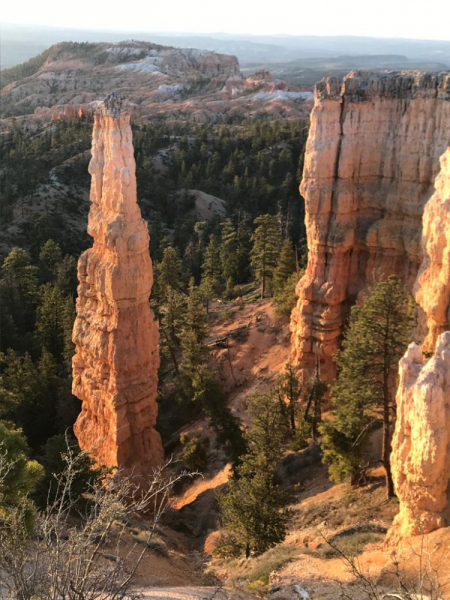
372	157
432	288
421	444
115	334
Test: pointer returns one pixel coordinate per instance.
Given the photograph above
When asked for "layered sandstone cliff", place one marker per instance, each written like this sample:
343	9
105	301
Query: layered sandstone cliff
115	334
372	157
421	443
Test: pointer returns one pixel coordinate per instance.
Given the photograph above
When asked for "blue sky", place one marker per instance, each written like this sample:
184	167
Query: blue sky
424	19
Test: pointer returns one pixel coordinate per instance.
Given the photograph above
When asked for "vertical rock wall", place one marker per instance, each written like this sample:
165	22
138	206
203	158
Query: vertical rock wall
421	443
115	333
371	160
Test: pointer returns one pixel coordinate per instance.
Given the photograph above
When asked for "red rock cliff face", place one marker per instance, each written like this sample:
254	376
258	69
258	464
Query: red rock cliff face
116	337
372	157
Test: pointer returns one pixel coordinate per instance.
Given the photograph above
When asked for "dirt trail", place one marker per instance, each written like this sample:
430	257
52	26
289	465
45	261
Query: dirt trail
194	593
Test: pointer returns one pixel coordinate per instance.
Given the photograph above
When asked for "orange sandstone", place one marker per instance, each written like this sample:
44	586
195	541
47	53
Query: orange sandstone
115	333
432	288
420	456
371	160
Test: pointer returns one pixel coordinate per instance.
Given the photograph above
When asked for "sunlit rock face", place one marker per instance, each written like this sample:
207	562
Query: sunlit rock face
115	333
432	288
421	443
371	160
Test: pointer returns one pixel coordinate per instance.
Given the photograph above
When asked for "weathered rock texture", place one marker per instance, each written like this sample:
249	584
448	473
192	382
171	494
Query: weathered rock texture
421	443
432	288
116	337
371	160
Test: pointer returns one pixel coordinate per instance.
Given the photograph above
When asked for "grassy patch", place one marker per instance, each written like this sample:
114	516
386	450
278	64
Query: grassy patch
256	571
351	545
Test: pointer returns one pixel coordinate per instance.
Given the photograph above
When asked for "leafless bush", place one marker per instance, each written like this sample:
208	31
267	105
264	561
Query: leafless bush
425	585
65	557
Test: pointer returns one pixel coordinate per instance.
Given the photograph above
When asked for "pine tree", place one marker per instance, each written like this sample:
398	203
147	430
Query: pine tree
253	510
211	284
168	272
235	252
286	266
53	320
50	256
19	278
266	248
376	338
289	391
172	318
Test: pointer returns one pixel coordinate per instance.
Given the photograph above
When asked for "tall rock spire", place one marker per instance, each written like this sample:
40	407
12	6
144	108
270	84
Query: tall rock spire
115	333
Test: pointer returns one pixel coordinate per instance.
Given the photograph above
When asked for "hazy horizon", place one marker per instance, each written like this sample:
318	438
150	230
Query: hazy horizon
402	20
213	33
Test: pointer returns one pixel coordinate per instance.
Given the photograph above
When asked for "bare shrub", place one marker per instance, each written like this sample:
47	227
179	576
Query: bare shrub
426	584
75	554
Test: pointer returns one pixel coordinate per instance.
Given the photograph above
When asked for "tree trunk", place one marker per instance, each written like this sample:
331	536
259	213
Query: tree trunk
386	451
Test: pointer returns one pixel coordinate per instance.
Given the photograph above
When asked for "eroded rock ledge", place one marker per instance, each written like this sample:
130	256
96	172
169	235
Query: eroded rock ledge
115	334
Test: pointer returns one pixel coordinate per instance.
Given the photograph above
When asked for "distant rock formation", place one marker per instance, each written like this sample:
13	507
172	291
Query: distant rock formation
421	444
115	333
371	160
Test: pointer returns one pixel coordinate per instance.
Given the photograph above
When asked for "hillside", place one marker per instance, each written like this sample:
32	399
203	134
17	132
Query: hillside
158	81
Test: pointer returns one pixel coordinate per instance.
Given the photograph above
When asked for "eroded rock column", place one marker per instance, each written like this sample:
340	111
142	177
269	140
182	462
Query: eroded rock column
421	444
115	333
432	288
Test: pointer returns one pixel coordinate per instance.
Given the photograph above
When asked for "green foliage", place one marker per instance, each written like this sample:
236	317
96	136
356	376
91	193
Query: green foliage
50	255
376	338
35	388
286	298
26	69
289	392
211	285
20	288
266	248
285	280
54	462
193	455
253	508
168	271
172	313
285	268
20	475
235	252
54	322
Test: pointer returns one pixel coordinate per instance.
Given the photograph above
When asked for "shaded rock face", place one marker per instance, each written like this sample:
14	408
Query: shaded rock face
371	160
115	334
432	288
421	443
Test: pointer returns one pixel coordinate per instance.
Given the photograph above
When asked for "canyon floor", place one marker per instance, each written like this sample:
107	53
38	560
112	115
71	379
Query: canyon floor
182	566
